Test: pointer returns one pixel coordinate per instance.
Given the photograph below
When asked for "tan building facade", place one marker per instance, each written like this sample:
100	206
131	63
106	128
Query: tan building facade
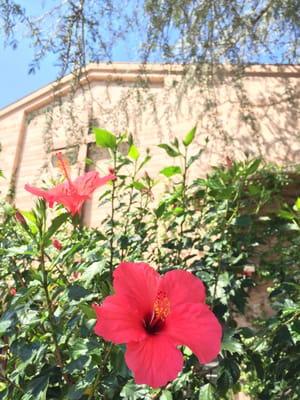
256	115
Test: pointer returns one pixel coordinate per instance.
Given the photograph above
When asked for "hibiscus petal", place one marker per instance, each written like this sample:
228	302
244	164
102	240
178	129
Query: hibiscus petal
87	183
72	203
139	282
195	326
182	287
154	361
118	321
45	194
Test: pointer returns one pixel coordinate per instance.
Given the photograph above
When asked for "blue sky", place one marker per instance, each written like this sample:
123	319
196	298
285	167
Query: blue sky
15	82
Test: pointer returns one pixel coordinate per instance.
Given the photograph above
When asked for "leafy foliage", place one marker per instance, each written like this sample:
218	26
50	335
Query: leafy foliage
215	227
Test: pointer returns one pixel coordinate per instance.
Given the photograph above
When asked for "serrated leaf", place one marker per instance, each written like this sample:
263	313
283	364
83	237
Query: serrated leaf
166	395
224	381
169	150
92	270
133	152
207	392
105	138
189	137
170	171
229	343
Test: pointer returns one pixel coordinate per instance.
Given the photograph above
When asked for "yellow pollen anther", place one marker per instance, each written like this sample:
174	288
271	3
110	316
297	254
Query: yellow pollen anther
161	306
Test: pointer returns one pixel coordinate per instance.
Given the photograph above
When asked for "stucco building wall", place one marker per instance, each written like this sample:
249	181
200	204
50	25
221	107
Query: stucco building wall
255	115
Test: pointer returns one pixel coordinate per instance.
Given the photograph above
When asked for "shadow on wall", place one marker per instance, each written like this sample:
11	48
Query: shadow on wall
253	112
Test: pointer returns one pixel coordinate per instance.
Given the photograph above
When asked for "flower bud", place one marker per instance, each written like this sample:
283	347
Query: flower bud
229	162
19	217
57	244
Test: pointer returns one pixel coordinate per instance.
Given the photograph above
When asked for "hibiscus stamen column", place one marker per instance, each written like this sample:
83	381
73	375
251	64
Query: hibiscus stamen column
64	167
161	310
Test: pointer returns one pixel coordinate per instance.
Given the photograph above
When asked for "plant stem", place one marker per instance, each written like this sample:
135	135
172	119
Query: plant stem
180	244
58	355
113	194
128	209
4	378
95	384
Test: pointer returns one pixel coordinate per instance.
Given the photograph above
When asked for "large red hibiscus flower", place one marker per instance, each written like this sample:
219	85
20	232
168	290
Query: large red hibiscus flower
72	194
152	315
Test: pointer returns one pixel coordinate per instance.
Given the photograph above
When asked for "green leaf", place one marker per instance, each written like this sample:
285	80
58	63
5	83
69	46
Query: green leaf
224	381
242	220
24	250
194	158
297	204
258	364
229	343
133	392
282	336
30	317
207	392
253	166
231	366
31	220
170	171
189	137
4	325
55	225
138	185
93	270
133	152
105	138
160	209
285	215
78	364
77	292
166	395
169	150
88	311
37	388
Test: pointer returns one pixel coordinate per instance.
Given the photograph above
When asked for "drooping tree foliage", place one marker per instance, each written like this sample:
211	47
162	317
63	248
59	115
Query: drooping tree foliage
191	31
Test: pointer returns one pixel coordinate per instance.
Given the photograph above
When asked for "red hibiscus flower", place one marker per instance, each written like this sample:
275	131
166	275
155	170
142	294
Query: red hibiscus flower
72	194
153	315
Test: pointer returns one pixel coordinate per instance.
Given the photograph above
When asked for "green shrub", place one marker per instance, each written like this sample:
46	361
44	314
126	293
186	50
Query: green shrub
232	229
